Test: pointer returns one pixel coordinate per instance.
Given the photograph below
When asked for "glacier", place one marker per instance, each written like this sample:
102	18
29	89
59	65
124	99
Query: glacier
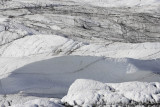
58	53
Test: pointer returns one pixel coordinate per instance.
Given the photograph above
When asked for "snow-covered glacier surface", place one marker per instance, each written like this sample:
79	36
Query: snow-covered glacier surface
57	53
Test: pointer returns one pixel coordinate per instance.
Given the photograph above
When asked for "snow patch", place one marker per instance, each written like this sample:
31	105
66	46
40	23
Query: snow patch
93	93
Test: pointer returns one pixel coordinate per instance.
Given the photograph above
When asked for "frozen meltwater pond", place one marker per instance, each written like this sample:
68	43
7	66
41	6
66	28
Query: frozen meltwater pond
54	76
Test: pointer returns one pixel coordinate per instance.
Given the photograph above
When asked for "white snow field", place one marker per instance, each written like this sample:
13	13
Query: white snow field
108	49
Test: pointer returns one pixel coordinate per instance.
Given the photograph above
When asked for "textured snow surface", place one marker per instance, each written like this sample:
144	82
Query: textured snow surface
45	45
83	23
22	100
58	45
115	3
93	93
121	50
39	44
104	3
40	102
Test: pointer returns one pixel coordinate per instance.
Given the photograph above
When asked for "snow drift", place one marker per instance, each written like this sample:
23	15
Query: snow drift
93	93
57	45
39	44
